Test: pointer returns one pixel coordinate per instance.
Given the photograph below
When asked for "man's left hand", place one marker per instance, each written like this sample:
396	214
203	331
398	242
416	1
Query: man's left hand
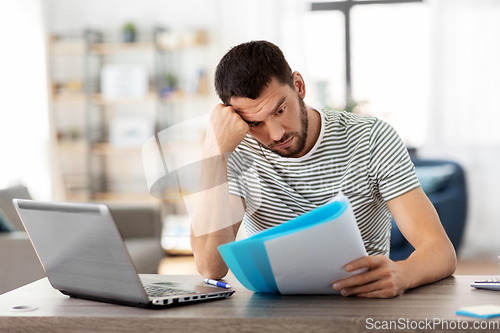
384	278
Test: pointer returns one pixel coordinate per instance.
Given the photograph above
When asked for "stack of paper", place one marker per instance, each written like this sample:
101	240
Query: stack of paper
303	256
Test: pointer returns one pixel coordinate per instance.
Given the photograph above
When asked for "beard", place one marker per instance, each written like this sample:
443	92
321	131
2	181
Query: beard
300	137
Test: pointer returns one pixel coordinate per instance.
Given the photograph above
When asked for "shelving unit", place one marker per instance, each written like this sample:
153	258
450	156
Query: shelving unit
90	165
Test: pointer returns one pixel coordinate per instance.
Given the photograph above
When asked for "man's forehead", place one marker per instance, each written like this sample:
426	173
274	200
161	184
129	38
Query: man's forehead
259	112
270	98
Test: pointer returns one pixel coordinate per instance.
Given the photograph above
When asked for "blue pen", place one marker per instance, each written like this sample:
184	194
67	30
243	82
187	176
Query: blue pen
217	283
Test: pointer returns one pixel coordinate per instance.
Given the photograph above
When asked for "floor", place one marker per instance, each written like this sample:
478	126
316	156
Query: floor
184	265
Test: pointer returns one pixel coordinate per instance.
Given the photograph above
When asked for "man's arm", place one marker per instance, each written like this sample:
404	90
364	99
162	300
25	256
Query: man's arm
207	258
217	215
434	257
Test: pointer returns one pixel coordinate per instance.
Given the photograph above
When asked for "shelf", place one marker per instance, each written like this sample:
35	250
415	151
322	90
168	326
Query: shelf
183	97
111	48
111	149
80	146
169	41
184	146
132	198
77	146
69	98
99	99
77	196
126	197
67	46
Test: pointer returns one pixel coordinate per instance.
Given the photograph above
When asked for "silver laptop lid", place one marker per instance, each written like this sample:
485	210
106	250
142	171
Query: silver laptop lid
81	250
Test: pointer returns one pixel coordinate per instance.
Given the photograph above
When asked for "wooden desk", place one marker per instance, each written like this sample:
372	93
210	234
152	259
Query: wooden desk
245	311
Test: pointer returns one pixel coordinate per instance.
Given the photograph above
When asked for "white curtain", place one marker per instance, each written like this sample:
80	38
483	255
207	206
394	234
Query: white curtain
24	121
465	109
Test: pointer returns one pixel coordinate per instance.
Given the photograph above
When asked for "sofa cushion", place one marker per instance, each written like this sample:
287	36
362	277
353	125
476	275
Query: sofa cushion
5	225
6	205
19	264
432	178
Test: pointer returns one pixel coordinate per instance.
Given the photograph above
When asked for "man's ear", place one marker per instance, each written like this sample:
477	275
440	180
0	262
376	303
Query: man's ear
299	84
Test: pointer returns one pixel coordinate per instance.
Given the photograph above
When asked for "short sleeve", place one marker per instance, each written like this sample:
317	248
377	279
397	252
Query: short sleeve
390	163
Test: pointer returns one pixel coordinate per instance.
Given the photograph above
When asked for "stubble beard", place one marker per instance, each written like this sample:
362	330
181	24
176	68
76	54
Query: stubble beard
301	136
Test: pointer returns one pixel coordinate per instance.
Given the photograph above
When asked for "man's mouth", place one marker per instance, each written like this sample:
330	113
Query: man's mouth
285	144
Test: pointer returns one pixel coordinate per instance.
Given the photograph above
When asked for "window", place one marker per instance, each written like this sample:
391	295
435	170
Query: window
389	63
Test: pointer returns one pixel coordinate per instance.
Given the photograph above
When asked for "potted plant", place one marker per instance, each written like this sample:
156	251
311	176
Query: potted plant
129	32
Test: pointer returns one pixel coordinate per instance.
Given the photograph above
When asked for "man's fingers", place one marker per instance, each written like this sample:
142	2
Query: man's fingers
381	293
358	279
379	281
369	261
367	288
376	294
227	129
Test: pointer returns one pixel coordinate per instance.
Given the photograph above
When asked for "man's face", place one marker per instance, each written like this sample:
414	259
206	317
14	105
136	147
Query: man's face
278	119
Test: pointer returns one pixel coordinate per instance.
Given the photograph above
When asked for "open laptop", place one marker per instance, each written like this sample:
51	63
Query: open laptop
83	255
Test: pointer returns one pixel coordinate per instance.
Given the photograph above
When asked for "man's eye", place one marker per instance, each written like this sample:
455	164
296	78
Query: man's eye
280	111
255	124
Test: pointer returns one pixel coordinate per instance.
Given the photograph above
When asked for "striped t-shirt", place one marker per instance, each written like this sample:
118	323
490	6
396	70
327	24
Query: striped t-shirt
362	156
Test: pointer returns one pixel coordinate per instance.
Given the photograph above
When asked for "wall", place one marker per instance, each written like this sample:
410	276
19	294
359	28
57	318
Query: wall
24	125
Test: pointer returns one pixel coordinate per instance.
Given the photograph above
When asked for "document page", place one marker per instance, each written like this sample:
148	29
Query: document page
310	260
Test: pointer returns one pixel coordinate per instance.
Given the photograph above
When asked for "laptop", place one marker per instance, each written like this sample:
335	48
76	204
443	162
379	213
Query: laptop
83	255
491	284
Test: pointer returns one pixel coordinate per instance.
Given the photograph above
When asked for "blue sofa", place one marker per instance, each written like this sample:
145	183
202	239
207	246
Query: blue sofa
444	183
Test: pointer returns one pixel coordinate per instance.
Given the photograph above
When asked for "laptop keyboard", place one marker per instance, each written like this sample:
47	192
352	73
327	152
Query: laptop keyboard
158	291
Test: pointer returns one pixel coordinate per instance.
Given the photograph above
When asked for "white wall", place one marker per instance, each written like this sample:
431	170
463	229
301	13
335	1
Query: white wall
110	15
24	124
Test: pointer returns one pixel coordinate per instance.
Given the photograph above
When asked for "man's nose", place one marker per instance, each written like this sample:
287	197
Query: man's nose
275	130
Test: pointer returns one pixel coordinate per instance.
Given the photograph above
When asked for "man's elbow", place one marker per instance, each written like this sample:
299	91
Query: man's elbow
450	258
453	260
211	271
214	275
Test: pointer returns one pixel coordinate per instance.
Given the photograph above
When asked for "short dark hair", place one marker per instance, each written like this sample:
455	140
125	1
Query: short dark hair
248	68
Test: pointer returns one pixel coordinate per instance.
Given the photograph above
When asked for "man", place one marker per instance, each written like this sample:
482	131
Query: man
269	158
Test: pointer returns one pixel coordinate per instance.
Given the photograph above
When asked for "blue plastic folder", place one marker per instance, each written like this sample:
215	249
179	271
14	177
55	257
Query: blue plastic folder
249	261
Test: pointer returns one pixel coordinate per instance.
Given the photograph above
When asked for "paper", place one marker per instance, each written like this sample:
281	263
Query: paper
303	256
481	311
308	262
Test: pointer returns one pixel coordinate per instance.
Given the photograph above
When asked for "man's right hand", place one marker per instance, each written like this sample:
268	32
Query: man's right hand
227	130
